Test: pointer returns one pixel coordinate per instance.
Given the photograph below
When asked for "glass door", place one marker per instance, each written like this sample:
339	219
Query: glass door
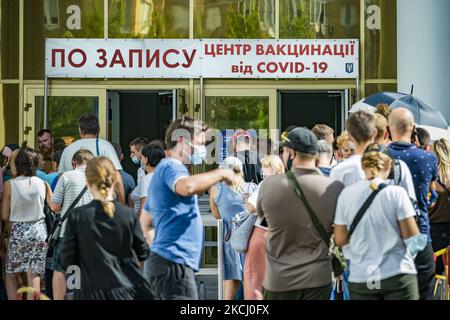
64	108
233	108
229	109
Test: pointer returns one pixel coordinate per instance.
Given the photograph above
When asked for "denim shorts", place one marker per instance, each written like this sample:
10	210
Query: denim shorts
57	266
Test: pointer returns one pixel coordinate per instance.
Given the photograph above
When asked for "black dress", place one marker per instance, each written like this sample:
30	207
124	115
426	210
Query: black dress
107	251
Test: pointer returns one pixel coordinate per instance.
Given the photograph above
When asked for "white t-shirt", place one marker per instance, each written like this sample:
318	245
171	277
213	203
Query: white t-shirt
140	174
105	149
349	171
67	189
252	199
376	248
145	183
139	190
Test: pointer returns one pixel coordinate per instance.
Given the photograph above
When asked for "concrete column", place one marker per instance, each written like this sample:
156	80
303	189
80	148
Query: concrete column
423	51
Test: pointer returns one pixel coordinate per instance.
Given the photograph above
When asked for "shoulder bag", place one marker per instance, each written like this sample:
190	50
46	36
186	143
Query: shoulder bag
55	231
243	224
338	259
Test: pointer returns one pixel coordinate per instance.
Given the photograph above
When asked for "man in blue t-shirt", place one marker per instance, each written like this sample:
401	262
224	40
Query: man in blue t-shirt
423	167
172	210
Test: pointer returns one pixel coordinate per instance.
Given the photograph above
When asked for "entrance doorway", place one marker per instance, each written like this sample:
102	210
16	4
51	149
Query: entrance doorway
133	114
308	108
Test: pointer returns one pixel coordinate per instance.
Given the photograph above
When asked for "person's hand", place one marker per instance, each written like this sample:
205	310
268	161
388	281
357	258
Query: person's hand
258	294
250	208
228	176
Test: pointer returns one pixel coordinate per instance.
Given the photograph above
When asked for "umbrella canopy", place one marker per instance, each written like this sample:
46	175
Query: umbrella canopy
423	114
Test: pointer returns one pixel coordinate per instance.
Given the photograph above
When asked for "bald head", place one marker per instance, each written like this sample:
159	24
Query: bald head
401	122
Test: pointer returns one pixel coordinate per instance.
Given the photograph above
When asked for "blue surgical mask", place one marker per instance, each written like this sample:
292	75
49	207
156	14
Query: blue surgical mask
416	244
136	160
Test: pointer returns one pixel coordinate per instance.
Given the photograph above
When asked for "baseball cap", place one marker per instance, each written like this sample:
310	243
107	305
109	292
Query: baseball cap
301	140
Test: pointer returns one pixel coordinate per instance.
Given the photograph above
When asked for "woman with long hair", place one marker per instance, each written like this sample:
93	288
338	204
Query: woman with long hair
227	201
104	240
440	211
382	246
23	207
255	258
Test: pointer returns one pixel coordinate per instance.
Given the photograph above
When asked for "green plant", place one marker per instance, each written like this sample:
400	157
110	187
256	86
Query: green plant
243	25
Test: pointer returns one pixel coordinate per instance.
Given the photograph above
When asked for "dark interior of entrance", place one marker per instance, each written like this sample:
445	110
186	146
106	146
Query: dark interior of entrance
306	109
140	114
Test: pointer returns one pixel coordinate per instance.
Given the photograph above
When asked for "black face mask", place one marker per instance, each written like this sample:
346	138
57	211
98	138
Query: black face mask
289	164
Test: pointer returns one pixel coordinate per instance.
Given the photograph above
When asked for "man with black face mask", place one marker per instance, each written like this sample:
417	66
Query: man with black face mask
298	266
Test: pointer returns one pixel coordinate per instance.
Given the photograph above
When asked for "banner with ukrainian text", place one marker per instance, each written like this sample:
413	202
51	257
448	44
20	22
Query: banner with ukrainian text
208	58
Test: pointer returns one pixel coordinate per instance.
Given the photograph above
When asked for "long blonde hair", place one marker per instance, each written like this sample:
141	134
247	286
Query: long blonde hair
101	173
442	150
274	162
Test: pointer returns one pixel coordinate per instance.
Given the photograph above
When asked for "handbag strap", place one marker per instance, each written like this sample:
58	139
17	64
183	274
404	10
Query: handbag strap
74	203
315	220
364	208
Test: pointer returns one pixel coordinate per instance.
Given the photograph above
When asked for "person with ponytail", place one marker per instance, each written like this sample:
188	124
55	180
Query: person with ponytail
227	201
440	211
104	239
382	246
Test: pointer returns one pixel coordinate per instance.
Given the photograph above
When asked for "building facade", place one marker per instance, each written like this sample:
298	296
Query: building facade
266	104
401	43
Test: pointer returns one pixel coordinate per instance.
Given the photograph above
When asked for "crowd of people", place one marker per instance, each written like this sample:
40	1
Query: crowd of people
379	191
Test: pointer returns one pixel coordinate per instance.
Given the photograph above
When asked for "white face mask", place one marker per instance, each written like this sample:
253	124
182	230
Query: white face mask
199	154
135	160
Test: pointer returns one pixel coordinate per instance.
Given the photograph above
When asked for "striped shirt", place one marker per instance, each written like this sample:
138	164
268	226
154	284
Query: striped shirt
69	186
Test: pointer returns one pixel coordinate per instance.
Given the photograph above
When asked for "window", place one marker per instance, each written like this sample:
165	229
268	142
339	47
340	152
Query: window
234	19
380	39
148	19
9	39
311	19
57	19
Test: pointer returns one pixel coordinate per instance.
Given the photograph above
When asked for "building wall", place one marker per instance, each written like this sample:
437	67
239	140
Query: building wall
26	23
423	33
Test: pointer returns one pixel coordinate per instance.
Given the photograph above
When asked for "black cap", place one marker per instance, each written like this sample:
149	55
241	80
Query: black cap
301	140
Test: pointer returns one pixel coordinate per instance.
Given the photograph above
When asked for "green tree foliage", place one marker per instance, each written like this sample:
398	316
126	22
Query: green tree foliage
296	24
